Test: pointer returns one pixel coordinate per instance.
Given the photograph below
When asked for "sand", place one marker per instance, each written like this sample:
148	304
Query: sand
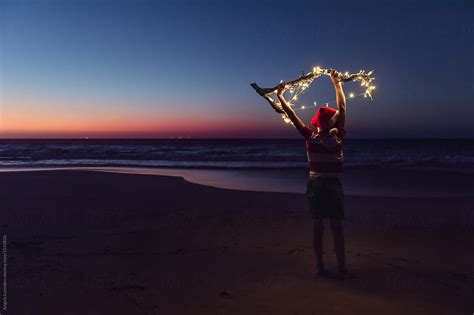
82	242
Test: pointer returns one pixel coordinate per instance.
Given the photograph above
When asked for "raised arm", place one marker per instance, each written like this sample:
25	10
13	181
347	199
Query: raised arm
289	111
340	99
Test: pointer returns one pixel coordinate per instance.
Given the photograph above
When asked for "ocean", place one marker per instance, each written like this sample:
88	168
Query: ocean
234	153
397	168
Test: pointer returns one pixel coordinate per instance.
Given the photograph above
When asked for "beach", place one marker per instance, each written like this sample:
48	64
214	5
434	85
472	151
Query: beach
88	242
161	158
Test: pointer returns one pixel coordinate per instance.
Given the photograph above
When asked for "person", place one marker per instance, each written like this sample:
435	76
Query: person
325	157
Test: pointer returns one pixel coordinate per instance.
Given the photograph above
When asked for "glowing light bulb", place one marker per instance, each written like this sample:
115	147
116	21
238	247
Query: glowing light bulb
302	107
351	95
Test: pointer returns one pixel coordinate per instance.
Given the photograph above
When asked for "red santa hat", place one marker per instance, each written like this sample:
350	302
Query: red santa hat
322	117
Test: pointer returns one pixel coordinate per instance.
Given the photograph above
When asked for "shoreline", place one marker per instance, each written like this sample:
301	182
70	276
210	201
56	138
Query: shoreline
356	182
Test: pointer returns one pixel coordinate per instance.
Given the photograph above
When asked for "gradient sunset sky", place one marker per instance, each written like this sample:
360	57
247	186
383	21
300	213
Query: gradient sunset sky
183	68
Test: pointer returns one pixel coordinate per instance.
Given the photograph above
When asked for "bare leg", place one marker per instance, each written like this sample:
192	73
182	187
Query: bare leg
339	247
318	229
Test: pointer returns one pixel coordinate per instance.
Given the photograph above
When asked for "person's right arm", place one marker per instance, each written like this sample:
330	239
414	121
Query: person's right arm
290	113
340	99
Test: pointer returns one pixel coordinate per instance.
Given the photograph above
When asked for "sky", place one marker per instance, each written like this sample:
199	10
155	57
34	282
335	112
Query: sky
153	69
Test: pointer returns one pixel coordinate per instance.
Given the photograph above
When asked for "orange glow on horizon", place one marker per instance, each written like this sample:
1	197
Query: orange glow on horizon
26	119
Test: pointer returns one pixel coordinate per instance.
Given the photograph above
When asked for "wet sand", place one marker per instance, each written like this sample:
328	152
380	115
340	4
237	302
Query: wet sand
371	182
82	242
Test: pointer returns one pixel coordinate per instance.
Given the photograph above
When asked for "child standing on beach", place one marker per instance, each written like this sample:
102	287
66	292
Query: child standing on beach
325	156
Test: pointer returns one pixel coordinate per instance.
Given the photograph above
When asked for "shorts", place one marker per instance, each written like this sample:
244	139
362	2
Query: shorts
326	198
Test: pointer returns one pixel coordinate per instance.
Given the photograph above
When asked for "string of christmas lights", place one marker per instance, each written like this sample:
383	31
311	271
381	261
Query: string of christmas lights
315	104
298	86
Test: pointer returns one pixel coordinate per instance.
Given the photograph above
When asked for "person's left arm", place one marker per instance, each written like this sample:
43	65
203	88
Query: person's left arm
340	100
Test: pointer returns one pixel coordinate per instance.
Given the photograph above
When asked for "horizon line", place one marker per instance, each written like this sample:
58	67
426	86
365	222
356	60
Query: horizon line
231	138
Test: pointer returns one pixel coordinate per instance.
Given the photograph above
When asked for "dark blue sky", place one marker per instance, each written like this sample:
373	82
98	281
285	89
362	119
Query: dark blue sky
157	68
